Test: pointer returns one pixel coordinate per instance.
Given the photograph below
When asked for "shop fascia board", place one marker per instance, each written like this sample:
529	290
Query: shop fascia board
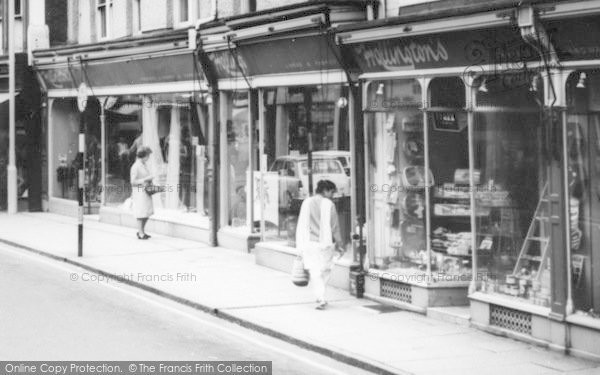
140	89
110	50
301	23
470	22
108	57
570	9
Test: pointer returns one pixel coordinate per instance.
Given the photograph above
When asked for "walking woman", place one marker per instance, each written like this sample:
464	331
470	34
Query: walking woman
318	237
142	201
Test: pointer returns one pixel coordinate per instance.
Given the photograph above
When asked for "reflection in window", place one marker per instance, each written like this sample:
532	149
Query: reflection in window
292	113
583	150
513	234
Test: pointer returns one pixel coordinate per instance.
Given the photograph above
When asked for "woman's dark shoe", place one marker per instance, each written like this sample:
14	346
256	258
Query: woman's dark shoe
144	237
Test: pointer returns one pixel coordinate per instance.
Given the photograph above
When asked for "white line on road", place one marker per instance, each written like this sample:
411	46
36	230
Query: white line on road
198	319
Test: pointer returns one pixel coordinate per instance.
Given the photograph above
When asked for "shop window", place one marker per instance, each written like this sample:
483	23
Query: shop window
450	209
396	177
583	150
511	188
238	157
65	124
124	136
292	114
173	126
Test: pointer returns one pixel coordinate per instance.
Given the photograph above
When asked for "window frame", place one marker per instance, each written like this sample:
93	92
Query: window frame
107	5
192	12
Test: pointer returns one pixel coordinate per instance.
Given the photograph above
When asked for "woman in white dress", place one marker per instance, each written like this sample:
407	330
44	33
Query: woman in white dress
318	237
142	201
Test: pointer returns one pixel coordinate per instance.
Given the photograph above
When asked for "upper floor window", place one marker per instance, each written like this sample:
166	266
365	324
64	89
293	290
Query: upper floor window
18	8
137	16
104	11
186	12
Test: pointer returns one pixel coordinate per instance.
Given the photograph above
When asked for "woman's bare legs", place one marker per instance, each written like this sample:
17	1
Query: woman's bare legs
141	224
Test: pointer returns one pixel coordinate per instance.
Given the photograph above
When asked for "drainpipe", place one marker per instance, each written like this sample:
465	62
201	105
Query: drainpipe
213	15
535	35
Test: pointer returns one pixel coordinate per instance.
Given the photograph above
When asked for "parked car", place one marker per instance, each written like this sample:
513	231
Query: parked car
342	156
293	175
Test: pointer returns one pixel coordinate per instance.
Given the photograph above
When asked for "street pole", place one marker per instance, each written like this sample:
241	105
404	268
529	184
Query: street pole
12	168
81	178
82	98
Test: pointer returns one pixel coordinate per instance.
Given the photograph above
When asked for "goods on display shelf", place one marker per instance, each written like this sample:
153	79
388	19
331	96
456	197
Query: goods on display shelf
456	209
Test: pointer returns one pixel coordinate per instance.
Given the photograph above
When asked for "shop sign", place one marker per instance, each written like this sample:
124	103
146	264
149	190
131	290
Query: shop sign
459	48
162	69
299	54
288	55
269	198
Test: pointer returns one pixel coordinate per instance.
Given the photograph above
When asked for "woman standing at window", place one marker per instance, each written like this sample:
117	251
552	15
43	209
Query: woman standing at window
142	201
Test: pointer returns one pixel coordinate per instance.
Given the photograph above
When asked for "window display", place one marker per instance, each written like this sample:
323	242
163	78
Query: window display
583	150
171	125
65	138
450	207
292	113
513	233
238	156
396	177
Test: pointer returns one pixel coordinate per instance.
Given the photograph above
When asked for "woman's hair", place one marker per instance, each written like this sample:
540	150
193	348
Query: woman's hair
325	185
143	151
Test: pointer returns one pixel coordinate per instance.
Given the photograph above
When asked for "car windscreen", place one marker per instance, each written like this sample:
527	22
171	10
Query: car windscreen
323	166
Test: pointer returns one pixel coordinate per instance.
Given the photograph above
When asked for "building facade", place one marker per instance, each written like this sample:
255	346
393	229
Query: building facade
462	137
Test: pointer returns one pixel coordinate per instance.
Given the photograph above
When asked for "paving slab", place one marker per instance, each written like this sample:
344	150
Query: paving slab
228	283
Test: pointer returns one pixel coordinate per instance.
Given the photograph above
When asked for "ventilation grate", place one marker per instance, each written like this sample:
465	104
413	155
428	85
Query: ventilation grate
395	290
514	320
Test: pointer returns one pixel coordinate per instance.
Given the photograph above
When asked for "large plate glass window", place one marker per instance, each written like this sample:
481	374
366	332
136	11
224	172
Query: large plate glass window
292	113
583	167
174	127
396	177
512	206
450	210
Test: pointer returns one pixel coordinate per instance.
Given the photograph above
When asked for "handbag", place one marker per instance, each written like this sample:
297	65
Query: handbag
151	189
300	276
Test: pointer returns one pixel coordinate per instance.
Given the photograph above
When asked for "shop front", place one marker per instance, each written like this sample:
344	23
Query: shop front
145	92
28	145
286	123
481	166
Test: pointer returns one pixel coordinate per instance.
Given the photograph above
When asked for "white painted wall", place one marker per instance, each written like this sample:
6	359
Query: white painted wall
154	14
85	23
120	19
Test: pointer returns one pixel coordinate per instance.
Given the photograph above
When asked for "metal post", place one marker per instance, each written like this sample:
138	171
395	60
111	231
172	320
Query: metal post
12	167
213	166
309	128
103	150
80	156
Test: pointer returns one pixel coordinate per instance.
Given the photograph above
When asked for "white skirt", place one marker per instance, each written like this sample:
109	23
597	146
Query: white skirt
141	202
317	256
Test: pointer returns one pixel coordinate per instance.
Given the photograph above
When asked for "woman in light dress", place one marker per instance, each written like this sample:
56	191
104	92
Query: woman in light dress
318	237
142	201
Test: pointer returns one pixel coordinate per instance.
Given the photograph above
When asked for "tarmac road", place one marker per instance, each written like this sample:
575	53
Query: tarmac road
44	315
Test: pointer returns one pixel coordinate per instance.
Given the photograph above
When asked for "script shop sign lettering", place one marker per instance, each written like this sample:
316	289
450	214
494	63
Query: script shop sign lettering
401	54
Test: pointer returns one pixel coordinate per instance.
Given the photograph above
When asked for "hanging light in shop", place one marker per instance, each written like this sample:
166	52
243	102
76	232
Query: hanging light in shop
342	102
483	86
535	83
380	89
581	83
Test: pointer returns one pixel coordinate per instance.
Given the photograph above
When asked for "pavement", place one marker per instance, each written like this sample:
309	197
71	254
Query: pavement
228	284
